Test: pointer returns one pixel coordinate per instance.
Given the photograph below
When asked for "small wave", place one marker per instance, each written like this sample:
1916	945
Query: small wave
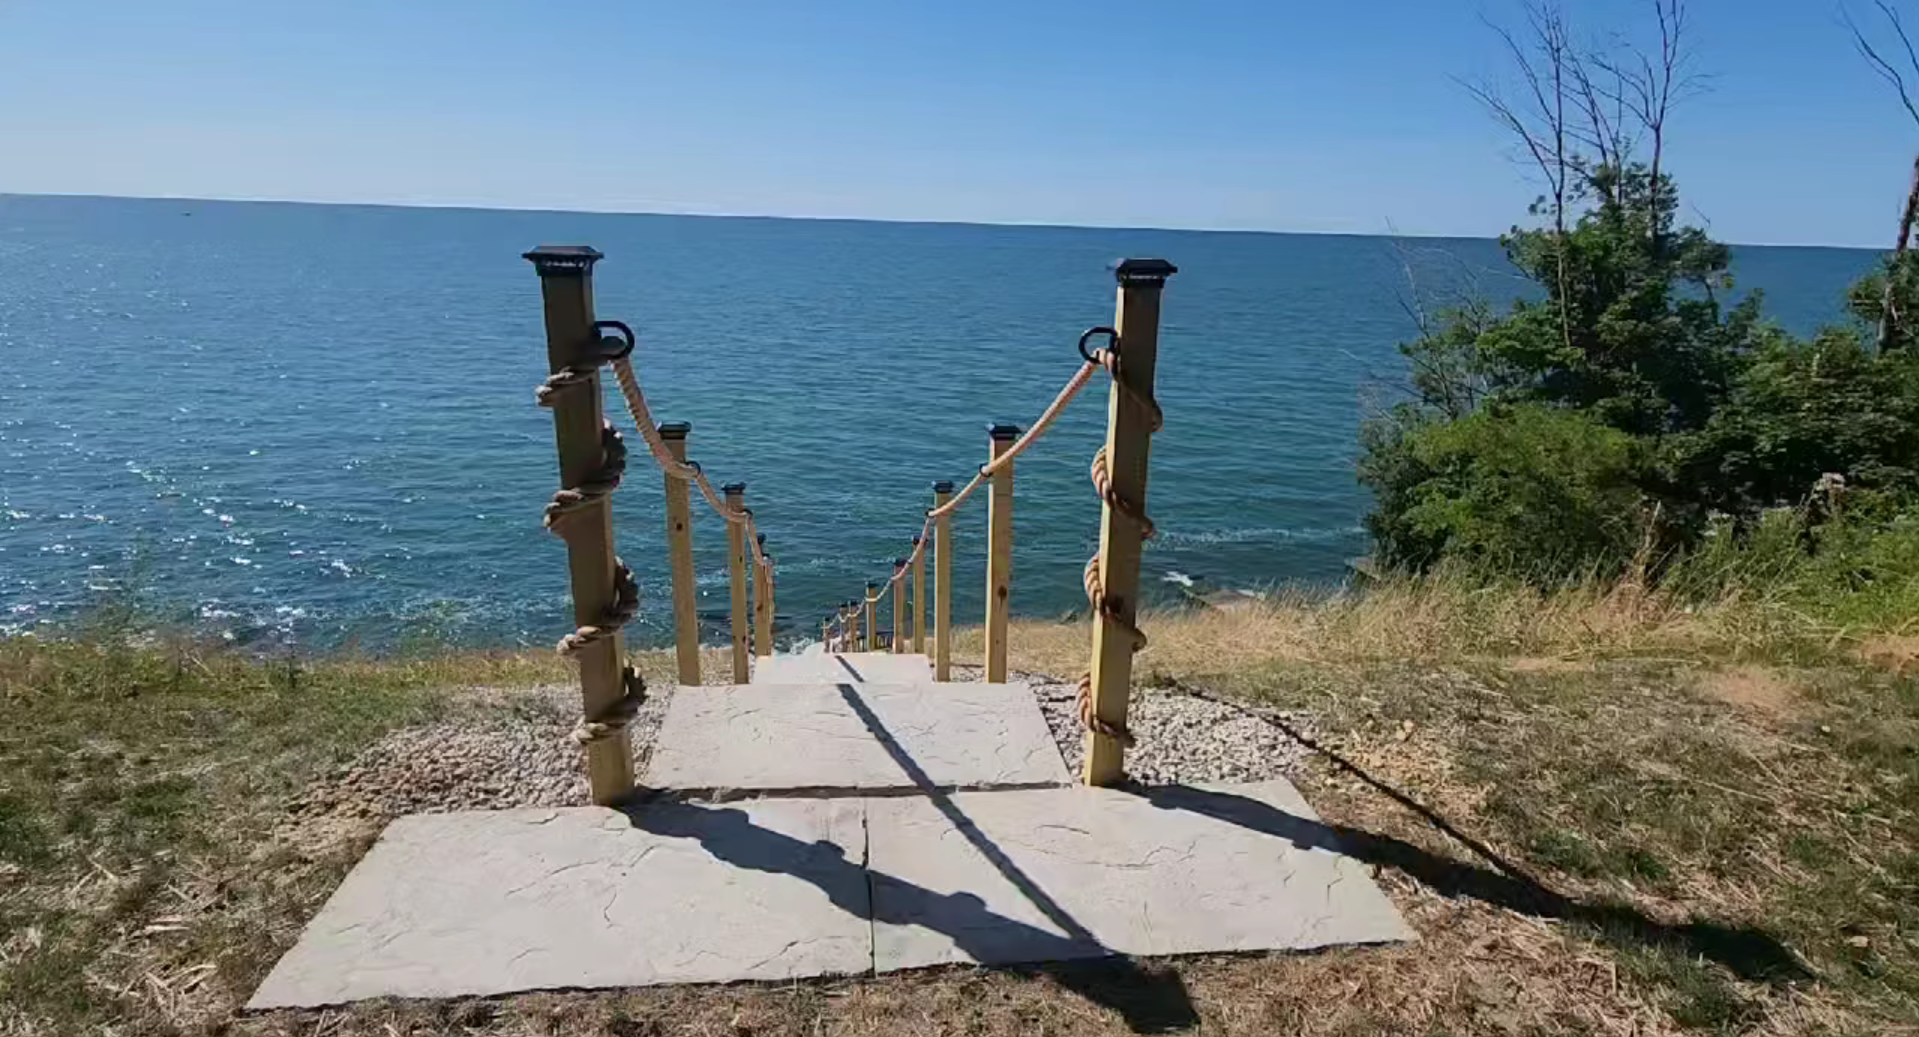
1256	534
1175	576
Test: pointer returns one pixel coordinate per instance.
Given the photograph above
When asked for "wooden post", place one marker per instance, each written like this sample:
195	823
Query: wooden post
899	606
999	553
679	547
872	641
762	605
919	597
852	637
1129	430
736	564
566	291
942	585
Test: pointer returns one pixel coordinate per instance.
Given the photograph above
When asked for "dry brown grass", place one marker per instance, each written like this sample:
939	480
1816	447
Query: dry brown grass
1896	652
1427	620
1757	688
1680	861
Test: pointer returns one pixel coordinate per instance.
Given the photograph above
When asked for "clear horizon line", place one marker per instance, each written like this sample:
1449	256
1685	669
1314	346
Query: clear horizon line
1037	225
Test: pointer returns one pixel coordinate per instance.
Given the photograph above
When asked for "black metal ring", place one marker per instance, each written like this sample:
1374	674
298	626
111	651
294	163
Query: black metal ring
625	333
1112	341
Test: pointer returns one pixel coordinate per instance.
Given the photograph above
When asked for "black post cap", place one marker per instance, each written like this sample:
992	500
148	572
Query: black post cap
563	260
760	537
899	563
675	429
1134	271
916	540
1003	430
943	486
872	585
733	488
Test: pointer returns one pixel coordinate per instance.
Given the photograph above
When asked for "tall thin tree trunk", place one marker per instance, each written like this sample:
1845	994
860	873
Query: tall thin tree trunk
1888	314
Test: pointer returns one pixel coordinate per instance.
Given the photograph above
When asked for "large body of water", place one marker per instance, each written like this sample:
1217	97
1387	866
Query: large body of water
315	423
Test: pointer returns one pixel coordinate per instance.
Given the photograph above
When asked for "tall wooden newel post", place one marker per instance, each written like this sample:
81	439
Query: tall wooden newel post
735	494
919	597
762	602
942	585
999	552
1129	428
566	289
679	547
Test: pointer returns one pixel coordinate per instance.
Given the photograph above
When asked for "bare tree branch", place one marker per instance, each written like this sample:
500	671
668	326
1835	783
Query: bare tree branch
1545	62
1877	62
1889	316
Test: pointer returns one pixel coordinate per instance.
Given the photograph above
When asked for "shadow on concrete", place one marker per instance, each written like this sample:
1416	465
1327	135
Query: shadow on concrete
1120	984
848	667
1150	1001
1750	952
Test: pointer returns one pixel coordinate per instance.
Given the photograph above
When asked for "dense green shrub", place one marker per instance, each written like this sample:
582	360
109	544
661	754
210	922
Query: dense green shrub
1542	491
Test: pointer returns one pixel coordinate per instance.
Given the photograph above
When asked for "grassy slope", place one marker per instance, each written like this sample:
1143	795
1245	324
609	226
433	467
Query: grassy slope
1708	818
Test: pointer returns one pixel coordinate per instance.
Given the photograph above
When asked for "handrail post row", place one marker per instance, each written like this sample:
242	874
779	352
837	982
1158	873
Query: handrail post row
762	605
679	545
919	597
999	552
942	585
872	640
899	606
566	294
736	564
1129	429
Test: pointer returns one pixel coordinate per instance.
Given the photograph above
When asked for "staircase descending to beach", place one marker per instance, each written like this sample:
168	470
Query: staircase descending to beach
847	810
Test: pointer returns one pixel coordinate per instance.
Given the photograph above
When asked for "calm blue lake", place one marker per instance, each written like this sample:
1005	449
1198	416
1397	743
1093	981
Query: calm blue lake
315	424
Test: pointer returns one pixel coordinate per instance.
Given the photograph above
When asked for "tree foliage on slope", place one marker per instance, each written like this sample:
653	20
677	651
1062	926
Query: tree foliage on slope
1630	402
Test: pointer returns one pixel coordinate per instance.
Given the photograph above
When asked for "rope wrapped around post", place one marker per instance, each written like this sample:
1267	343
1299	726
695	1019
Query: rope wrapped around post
572	502
1109	357
615	718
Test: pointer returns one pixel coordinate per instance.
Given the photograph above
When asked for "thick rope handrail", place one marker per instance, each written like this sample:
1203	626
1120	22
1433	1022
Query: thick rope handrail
987	471
1104	358
674	467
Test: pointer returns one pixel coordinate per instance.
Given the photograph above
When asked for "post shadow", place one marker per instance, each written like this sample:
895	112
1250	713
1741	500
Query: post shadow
1163	994
1150	1002
1750	952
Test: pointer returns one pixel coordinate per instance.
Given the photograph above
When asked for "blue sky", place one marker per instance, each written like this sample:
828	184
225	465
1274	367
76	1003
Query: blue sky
1240	114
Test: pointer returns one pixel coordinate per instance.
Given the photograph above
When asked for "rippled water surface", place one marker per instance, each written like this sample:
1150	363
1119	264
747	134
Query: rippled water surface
315	423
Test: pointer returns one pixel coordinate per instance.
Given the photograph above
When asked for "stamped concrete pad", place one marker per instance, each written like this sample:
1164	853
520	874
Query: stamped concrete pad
501	901
832	668
854	737
1051	874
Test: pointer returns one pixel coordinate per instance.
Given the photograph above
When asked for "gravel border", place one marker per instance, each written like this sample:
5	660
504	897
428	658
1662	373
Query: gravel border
515	751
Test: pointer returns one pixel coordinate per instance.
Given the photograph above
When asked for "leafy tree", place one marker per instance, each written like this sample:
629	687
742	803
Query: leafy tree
1530	489
1801	411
